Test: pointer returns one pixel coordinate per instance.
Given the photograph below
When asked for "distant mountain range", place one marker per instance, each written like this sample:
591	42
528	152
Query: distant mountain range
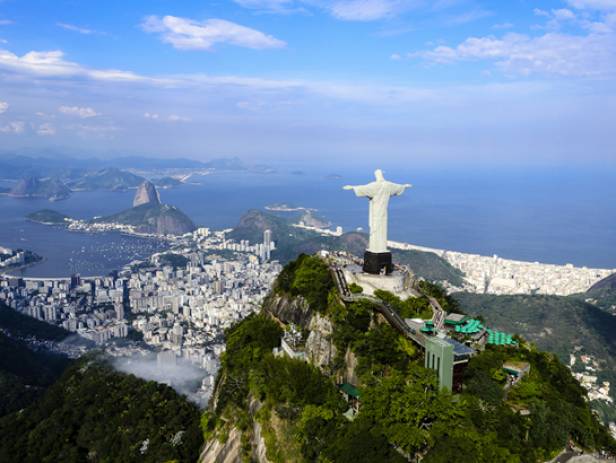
72	168
18	166
112	179
31	187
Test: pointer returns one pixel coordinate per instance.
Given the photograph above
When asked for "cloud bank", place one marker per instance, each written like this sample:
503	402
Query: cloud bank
189	34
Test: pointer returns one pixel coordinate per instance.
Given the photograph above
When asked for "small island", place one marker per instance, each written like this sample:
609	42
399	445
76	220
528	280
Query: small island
48	217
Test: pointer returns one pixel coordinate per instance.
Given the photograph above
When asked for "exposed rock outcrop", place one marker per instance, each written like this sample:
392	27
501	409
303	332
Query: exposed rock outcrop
289	309
146	194
228	452
350	367
320	349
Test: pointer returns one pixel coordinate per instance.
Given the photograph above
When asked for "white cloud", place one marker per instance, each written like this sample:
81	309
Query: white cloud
46	130
3	106
395	57
540	12
5	22
74	28
15	127
82	112
53	64
170	118
591	55
563	14
593	4
366	10
469	16
176	118
188	34
502	26
346	10
273	6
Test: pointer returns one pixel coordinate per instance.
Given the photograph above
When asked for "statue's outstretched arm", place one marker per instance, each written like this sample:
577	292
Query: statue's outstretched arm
399	189
362	190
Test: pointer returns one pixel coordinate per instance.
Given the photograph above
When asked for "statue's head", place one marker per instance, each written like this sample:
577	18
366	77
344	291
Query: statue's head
378	174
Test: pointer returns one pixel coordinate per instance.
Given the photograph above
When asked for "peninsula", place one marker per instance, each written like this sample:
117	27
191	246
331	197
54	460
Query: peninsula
149	216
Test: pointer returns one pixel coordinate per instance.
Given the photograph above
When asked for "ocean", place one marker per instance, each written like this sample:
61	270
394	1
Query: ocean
552	216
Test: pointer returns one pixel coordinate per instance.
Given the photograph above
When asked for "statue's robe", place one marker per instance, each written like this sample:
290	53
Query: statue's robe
379	193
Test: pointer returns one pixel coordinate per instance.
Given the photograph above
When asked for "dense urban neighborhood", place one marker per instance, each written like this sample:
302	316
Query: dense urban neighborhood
178	302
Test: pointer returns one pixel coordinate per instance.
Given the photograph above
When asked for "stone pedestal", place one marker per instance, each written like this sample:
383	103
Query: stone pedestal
378	263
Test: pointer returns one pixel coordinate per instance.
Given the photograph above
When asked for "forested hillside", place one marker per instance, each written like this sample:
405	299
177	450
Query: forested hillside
24	373
555	324
93	413
294	409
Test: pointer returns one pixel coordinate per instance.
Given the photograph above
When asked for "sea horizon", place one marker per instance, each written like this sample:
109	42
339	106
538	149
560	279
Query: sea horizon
567	217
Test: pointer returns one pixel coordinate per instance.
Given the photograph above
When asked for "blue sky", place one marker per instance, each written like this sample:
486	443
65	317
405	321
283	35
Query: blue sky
410	81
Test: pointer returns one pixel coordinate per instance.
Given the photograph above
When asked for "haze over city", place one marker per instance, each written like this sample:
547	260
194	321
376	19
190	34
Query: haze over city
455	81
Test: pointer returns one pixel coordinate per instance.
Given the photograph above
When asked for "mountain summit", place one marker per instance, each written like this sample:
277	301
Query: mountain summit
146	194
149	215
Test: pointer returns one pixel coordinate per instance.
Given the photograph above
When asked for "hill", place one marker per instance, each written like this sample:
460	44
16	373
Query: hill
33	187
19	325
38	163
555	324
94	413
160	219
148	215
107	179
291	410
602	294
606	283
291	241
48	217
24	373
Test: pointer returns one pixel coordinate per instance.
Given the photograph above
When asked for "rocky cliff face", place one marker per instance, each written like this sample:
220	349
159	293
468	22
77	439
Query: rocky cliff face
320	348
289	309
146	194
228	452
232	449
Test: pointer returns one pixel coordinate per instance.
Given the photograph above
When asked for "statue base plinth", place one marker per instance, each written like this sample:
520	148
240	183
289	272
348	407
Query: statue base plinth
378	263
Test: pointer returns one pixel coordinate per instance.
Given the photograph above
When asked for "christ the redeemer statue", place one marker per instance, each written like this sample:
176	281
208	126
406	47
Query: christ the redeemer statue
378	258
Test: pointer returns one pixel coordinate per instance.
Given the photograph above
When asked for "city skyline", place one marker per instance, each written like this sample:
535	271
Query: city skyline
460	81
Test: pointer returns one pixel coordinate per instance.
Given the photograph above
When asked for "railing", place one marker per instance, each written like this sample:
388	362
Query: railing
392	317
